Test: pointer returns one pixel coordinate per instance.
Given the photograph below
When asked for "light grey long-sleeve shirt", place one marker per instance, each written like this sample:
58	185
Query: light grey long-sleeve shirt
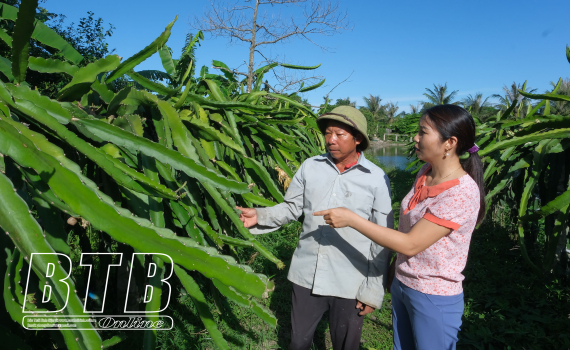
330	261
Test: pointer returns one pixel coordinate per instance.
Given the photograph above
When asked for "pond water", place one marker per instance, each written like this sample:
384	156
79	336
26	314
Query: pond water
391	155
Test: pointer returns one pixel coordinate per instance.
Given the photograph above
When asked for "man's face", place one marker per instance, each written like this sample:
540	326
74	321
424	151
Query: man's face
340	142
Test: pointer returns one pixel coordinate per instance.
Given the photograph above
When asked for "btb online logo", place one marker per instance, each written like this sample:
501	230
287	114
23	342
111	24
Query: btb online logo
128	321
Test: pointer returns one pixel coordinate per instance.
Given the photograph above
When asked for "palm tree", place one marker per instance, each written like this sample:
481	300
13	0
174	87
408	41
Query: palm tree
373	105
475	103
512	95
390	109
416	108
438	96
561	107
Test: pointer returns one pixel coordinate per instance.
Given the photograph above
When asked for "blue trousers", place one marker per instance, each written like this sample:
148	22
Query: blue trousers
424	321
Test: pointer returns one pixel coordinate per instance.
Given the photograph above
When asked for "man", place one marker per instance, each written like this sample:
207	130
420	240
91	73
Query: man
338	270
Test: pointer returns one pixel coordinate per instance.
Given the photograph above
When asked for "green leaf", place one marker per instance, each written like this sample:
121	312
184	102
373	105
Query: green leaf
508	111
214	135
5	37
149	338
51	66
550	96
215	91
99	210
514	141
265	69
44	34
53	226
291	66
142	55
258	200
226	105
291	102
6	68
85	76
568	53
550	208
49	37
230	293
33	100
202	306
281	162
8	12
175	159
312	87
25	232
555	123
539	154
113	341
21	38
103	91
123	174
180	135
151	85
166	59
260	170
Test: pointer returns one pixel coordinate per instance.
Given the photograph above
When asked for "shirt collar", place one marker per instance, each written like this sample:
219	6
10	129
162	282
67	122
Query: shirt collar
362	161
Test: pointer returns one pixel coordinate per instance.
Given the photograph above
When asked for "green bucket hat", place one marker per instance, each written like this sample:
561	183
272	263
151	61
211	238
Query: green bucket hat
349	116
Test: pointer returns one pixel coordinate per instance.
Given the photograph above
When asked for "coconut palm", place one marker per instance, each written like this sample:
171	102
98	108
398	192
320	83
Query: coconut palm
561	107
512	95
373	104
475	104
390	110
416	108
438	96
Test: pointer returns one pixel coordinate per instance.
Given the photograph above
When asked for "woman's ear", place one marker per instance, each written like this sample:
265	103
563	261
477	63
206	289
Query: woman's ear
452	142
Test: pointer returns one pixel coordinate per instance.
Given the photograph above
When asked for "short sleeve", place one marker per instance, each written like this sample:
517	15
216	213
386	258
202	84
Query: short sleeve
455	207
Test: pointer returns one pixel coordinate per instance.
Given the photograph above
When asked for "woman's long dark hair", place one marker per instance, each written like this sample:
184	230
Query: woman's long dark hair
451	120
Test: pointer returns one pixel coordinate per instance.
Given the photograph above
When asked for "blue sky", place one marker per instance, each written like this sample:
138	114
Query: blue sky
395	50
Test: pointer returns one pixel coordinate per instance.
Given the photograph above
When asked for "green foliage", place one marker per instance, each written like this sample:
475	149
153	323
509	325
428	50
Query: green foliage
79	44
507	306
149	173
407	124
525	170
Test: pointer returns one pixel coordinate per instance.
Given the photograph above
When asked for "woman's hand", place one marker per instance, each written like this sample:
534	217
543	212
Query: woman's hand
337	217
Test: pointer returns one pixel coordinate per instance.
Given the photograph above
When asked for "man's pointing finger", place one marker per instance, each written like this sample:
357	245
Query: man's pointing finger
321	213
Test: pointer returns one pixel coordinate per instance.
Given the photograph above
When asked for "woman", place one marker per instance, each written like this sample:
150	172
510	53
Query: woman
437	219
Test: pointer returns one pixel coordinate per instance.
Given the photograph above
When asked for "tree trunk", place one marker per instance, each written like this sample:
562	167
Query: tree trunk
252	48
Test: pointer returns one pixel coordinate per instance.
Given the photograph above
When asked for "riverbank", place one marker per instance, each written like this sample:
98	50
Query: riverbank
388	143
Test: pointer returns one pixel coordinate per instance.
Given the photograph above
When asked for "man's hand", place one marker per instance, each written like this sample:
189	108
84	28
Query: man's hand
364	309
248	216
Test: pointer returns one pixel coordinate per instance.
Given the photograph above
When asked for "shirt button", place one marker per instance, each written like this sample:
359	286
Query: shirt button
334	194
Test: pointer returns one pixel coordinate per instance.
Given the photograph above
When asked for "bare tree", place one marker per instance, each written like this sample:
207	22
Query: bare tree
244	22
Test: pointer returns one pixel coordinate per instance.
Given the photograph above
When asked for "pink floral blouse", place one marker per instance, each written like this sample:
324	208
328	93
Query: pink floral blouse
453	204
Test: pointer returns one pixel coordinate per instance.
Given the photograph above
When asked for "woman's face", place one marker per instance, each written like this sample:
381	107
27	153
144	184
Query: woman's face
428	142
